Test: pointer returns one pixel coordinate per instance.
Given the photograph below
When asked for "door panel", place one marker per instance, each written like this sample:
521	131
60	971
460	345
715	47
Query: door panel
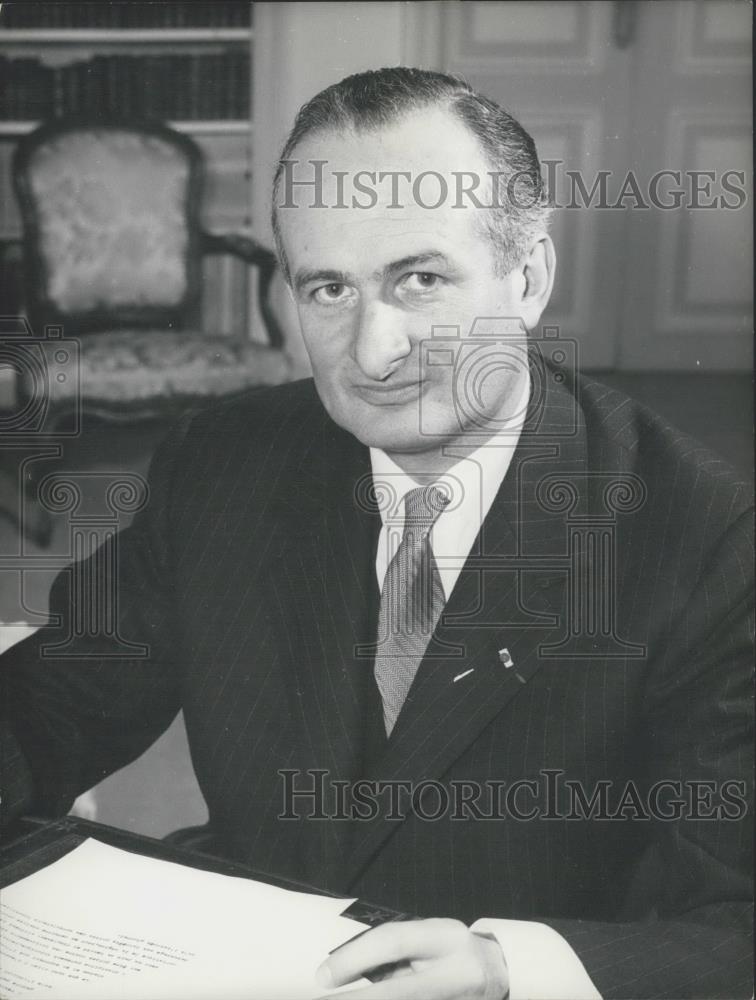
555	68
630	89
689	286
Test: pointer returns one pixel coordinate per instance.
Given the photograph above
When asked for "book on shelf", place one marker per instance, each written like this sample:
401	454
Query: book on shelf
183	87
21	14
26	89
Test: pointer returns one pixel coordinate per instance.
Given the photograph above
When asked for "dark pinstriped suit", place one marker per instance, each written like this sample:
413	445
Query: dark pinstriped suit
251	575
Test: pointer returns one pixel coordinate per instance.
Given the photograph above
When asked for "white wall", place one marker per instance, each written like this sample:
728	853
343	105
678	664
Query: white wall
299	49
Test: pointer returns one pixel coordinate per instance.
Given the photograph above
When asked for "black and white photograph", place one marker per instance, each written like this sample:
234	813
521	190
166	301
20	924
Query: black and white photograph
376	500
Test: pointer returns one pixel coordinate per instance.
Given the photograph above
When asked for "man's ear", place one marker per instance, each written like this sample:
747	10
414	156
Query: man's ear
538	270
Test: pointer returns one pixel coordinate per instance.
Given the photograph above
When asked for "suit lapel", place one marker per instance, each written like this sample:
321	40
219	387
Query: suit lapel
509	596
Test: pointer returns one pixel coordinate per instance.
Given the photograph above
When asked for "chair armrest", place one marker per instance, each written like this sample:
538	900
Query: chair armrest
8	244
238	245
12	273
252	252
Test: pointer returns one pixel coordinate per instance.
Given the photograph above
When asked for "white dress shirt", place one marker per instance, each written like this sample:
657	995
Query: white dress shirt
541	964
471	484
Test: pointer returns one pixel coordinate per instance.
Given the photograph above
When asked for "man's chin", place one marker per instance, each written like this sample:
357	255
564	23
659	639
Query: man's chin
390	441
392	429
404	439
389	435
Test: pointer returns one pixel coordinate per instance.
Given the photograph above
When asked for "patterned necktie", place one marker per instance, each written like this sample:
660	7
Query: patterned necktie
412	599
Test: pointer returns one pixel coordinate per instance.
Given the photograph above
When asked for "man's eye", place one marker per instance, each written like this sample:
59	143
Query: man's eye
422	281
331	293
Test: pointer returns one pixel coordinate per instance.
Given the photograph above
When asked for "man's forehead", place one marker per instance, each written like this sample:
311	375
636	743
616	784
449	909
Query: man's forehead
362	200
373	243
429	138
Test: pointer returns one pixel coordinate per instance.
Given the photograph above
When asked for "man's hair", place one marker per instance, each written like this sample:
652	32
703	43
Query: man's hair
374	99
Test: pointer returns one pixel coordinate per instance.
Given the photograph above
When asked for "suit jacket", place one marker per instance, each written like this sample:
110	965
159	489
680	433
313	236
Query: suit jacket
613	567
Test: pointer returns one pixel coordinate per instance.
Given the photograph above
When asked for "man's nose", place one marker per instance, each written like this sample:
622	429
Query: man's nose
381	342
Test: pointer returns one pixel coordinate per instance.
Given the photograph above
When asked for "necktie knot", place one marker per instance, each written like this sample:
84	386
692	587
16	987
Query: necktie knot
423	505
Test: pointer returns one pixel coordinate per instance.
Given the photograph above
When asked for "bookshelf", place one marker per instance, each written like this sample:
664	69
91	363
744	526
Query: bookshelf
115	36
188	64
193	127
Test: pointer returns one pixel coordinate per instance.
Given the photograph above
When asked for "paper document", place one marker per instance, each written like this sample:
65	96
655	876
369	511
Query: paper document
105	924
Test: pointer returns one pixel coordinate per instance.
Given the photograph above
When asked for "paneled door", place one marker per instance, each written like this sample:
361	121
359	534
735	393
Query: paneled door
556	68
615	93
688	296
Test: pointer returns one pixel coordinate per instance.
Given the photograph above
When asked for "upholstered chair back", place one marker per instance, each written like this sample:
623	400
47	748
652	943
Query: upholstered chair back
111	228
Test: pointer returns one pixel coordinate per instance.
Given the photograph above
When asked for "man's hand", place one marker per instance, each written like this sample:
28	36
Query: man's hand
423	959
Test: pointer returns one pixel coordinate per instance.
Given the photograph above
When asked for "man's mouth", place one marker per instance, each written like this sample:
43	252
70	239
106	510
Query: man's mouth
389	393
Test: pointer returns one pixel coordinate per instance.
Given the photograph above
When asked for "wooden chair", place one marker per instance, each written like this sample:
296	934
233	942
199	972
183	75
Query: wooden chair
112	247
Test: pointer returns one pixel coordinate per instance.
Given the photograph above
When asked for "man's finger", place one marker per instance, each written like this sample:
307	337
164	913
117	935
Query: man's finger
432	984
390	944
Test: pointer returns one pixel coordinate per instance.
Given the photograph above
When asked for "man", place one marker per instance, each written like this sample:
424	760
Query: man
453	630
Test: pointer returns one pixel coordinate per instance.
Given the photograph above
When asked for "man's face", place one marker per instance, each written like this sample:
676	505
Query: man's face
370	284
